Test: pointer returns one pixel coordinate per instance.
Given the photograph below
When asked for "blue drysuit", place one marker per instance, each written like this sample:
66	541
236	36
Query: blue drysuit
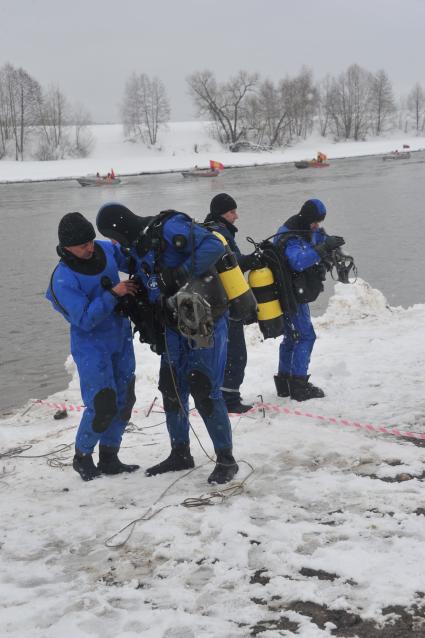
101	345
299	336
198	372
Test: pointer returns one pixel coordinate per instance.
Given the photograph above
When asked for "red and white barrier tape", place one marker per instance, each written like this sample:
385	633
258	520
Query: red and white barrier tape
60	406
70	407
369	427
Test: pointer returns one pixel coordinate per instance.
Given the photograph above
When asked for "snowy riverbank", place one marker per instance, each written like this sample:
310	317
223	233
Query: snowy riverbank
323	528
177	152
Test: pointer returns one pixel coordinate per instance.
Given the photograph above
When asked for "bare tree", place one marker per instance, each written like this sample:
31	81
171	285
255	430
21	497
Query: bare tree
350	103
53	115
5	118
226	104
276	114
324	104
23	96
382	101
301	97
83	138
359	83
267	115
416	104
145	107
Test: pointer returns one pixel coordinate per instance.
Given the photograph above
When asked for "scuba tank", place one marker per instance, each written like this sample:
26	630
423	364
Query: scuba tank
272	287
242	304
270	314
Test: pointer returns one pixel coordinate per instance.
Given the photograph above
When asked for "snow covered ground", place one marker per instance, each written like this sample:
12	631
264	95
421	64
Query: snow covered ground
325	538
176	152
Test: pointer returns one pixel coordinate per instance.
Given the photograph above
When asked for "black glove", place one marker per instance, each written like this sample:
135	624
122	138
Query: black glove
334	241
170	280
331	242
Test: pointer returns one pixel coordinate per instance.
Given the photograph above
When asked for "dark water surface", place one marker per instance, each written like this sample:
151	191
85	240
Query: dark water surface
379	207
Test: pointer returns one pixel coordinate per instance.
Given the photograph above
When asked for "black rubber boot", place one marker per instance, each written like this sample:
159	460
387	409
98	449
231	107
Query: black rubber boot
281	382
179	459
225	467
238	407
109	462
302	390
84	465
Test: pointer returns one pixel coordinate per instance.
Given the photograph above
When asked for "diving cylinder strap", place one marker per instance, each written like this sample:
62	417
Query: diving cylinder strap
270	314
242	304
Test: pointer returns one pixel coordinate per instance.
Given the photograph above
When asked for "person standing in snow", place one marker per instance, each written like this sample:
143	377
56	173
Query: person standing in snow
303	245
221	218
85	289
171	250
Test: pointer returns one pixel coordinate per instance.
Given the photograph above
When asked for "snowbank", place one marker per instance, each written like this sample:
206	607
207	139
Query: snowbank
176	152
315	525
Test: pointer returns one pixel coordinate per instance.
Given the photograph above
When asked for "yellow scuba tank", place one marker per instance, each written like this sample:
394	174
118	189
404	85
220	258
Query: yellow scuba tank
242	304
270	314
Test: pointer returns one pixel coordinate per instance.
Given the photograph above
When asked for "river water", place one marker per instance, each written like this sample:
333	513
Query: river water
377	206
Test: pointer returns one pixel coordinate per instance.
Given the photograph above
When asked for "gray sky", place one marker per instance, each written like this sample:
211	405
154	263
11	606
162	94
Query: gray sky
90	47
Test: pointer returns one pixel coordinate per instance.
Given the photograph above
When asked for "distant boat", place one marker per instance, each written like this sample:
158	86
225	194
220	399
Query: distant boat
396	155
200	172
94	180
311	164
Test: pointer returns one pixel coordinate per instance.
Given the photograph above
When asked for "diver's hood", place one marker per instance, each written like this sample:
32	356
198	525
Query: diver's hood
120	223
312	211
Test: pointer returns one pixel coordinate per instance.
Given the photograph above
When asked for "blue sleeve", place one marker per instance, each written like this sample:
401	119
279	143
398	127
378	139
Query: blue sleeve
318	237
146	275
300	255
75	306
115	250
201	250
120	258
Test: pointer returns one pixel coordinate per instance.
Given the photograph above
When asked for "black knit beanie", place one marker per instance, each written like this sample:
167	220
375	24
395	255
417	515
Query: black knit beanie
221	204
74	229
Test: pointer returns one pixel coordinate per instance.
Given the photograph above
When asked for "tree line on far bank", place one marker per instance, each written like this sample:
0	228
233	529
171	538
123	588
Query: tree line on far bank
41	124
352	105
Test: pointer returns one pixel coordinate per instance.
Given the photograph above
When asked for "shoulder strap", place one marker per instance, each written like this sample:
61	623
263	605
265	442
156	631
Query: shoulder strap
155	231
285	237
165	215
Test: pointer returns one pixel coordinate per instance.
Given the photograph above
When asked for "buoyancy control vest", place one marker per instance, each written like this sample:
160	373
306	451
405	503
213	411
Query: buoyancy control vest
306	284
208	285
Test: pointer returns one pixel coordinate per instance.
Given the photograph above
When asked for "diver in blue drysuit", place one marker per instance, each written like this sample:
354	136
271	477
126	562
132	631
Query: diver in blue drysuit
85	288
304	247
171	250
